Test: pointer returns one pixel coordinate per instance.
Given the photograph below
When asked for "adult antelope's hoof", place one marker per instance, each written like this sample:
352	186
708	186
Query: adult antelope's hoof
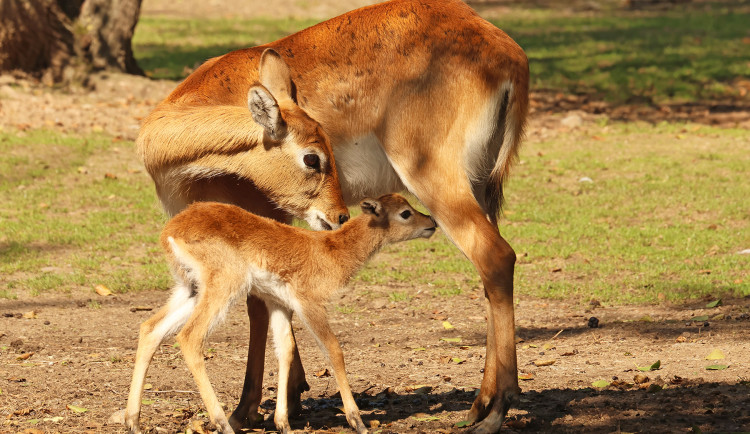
294	402
489	414
249	421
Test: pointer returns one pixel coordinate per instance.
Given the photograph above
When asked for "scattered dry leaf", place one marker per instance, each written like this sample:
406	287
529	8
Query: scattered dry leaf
102	290
544	362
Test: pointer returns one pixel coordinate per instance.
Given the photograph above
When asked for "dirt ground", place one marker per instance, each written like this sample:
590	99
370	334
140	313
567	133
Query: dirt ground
77	353
66	360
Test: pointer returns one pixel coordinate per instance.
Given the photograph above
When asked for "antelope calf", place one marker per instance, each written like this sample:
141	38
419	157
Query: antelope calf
219	253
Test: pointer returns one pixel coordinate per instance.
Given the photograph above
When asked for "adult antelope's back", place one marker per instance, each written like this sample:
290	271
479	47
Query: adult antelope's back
423	95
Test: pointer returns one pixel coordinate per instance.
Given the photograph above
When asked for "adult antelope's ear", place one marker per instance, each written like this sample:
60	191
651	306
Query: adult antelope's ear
265	111
274	74
372	207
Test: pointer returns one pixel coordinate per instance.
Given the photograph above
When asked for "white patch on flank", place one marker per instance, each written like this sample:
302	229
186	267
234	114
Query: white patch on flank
270	286
364	169
180	304
180	307
480	151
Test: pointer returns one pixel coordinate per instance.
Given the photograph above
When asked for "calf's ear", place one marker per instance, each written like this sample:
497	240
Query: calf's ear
372	207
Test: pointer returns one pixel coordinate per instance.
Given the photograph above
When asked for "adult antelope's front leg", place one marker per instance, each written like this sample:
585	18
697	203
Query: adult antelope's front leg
494	259
246	414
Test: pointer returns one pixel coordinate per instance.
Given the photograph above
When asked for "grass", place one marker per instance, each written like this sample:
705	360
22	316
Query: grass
683	54
66	226
664	218
170	48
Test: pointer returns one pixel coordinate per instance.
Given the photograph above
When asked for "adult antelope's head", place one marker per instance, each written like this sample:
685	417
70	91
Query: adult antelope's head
298	171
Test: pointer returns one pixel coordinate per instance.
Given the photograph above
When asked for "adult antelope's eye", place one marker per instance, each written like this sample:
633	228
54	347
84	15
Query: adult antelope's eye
311	160
405	214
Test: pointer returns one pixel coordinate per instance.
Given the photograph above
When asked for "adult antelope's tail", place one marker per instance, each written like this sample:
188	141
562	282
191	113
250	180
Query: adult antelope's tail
512	120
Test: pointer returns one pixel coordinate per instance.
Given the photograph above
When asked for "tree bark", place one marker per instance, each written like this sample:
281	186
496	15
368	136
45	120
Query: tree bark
110	25
34	38
57	40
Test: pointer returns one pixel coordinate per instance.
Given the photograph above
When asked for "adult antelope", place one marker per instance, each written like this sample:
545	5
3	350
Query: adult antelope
219	252
422	95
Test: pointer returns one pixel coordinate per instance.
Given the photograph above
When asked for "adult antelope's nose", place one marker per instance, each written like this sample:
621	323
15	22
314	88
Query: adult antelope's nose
343	218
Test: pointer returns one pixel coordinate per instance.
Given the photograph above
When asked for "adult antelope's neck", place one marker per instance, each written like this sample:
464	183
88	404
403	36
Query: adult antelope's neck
171	131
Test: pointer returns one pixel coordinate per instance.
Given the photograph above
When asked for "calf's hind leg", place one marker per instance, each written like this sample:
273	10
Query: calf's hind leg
152	332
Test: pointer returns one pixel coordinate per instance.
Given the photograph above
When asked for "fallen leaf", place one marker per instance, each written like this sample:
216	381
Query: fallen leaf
715	354
548	346
102	290
600	384
110	176
681	339
76	409
526	376
714	303
544	362
457	360
25	356
148	386
450	339
463	423
426	418
140	308
53	419
30	314
447	325
700	318
704	271
420	349
656	365
646	318
145	401
717	367
323	373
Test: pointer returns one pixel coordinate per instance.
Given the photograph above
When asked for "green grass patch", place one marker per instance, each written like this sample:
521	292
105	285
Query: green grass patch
682	54
65	225
170	47
664	218
676	55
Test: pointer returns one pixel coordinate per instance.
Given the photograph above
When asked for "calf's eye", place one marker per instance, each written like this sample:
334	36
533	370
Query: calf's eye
405	214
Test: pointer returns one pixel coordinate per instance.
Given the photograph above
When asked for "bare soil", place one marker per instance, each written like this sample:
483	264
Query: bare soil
75	352
78	353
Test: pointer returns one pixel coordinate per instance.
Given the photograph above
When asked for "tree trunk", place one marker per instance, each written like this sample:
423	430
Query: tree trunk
57	40
110	25
34	38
